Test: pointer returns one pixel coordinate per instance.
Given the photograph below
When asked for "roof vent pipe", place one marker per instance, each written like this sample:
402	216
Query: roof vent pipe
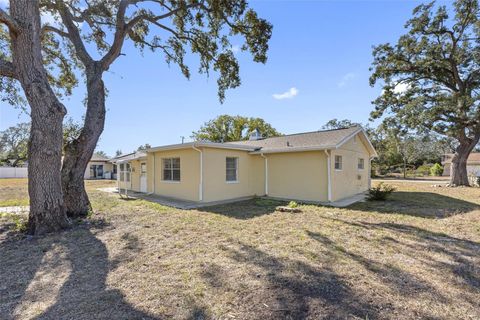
255	135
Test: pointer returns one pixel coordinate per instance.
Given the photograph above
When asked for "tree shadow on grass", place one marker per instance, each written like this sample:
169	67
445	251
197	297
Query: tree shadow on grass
401	281
296	290
465	254
419	204
83	295
244	210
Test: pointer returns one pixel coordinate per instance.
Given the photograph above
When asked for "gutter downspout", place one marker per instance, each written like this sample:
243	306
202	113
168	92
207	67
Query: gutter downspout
369	172
153	176
329	175
200	188
266	173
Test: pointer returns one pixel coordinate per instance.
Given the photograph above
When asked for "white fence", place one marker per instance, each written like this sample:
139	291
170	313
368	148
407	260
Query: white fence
12	172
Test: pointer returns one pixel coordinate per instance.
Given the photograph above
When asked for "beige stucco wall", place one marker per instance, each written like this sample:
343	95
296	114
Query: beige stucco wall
295	175
346	182
250	175
188	186
107	167
298	175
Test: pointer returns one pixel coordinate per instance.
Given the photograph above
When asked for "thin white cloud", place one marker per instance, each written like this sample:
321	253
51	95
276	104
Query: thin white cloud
292	92
346	78
235	48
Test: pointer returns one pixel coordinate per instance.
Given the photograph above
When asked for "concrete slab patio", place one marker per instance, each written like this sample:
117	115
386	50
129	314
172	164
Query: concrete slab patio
171	202
15	209
187	205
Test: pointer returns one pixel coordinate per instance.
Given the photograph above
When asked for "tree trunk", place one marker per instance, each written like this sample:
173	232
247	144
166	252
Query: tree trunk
79	152
47	211
459	174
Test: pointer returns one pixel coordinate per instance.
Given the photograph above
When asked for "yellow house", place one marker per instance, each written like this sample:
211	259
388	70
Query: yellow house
320	166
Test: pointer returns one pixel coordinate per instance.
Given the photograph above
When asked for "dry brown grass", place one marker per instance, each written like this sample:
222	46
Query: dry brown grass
416	256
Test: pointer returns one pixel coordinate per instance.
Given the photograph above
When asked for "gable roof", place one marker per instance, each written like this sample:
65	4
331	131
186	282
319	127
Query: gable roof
316	140
97	157
129	156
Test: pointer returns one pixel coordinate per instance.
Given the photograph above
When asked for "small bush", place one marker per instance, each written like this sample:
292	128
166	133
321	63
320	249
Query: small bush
424	169
380	193
292	204
436	170
21	225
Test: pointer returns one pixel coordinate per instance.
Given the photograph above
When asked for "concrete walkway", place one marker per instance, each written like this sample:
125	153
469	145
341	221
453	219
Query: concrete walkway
172	202
347	201
187	205
15	210
338	204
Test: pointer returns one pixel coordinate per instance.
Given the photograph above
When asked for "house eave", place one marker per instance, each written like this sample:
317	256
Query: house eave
189	145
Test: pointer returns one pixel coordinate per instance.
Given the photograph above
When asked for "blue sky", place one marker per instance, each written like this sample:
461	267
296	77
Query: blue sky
321	49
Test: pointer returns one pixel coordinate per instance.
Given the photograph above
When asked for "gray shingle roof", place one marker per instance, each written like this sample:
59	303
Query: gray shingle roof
315	139
97	157
129	156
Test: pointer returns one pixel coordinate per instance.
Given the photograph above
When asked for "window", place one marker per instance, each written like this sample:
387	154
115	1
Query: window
127	173
96	171
232	169
143	168
338	162
122	172
171	169
361	164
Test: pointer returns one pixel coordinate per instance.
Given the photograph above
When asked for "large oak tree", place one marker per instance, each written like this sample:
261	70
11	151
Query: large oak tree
90	35
431	77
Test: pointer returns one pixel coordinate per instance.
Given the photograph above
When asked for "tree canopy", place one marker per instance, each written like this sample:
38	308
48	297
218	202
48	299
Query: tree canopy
14	144
227	128
83	40
338	124
431	76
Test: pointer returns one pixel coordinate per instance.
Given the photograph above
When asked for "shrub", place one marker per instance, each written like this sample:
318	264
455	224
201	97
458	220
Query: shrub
436	170
424	169
292	204
380	192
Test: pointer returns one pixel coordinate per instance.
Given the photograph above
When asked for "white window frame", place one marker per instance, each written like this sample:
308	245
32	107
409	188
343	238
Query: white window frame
171	170
236	170
128	170
339	162
122	172
362	161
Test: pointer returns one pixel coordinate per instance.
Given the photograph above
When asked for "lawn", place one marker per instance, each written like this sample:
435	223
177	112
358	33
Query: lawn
416	256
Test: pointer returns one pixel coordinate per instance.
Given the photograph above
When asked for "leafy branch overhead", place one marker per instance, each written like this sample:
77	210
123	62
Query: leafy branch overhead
173	27
432	75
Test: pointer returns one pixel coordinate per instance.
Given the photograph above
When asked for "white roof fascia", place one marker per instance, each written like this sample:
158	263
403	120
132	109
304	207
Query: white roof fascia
350	136
189	145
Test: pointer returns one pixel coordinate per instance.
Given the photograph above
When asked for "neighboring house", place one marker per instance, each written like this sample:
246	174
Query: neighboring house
318	166
473	164
100	167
